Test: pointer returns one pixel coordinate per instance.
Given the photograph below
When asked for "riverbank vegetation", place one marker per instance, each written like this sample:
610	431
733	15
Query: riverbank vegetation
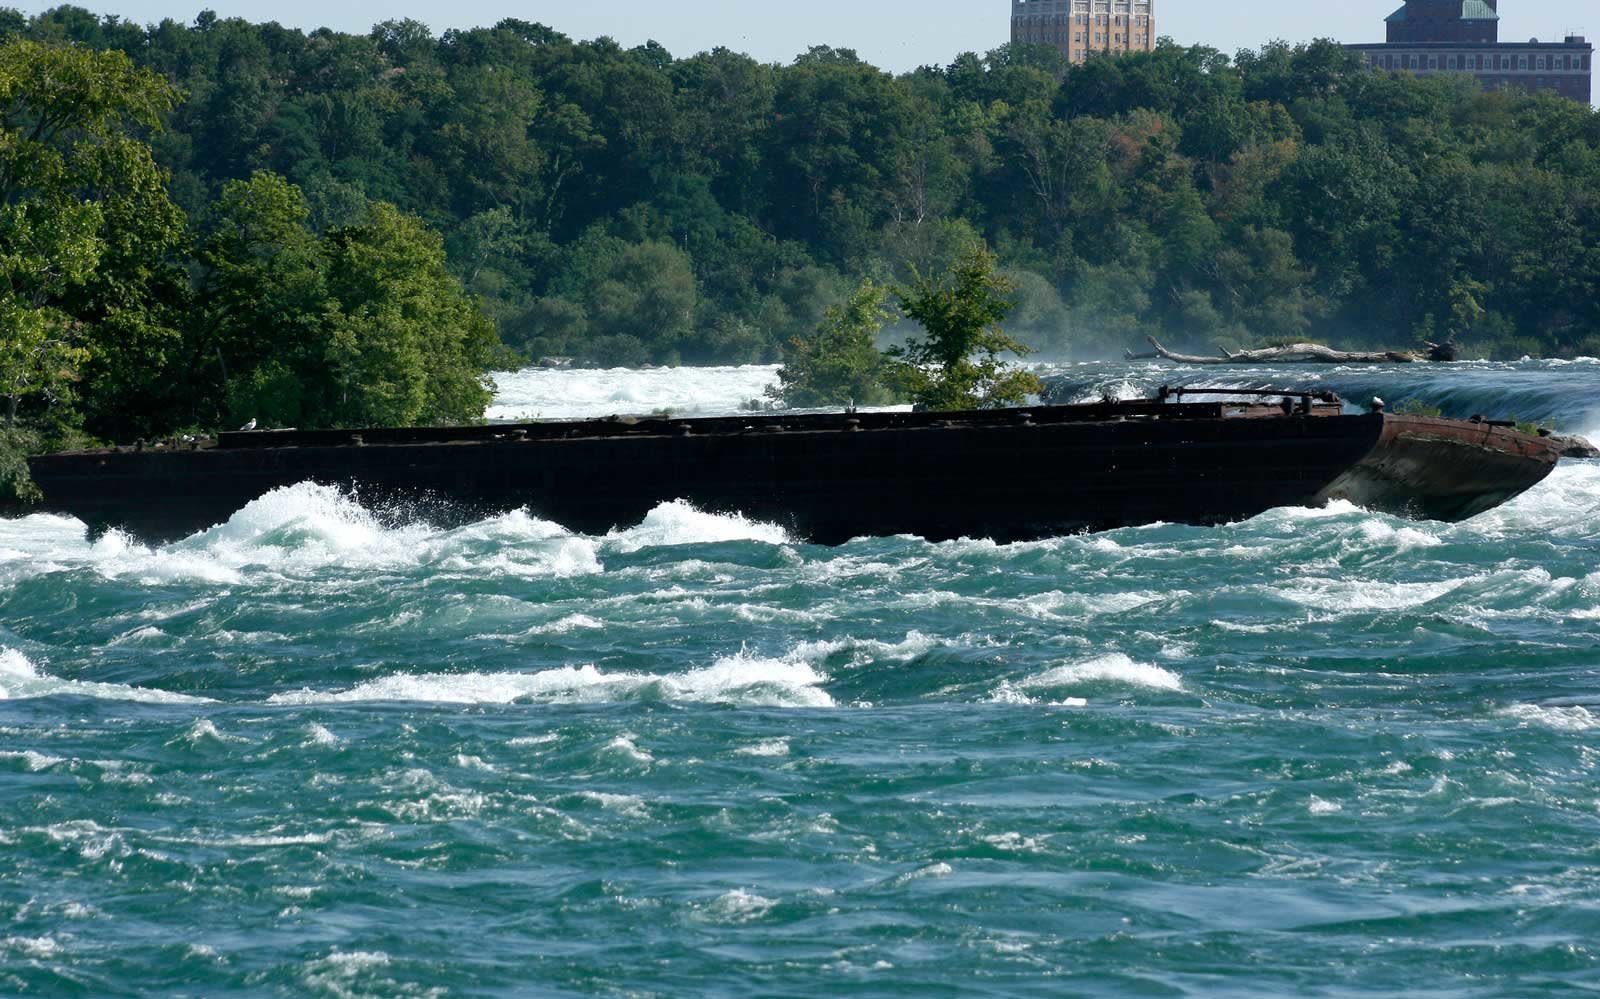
626	205
956	361
121	316
208	222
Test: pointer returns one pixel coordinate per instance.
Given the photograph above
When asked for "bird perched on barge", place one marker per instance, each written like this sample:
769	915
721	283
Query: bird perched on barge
1185	456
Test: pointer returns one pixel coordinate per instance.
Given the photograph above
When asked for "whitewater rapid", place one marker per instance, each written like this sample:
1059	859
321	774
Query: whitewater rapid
319	750
578	393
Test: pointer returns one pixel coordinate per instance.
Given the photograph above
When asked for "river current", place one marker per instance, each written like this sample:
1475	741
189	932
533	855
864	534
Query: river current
313	752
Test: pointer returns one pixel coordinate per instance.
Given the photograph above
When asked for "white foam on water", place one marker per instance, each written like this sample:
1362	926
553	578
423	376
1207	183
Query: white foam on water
741	680
534	740
1566	505
935	870
1013	842
204	731
1057	605
564	394
116	556
868	650
567	625
318	735
358	975
1562	718
301	529
31	760
37	948
1321	806
1381	533
1359	596
317	515
307	527
1291	515
624	804
767	747
624	746
1006	693
681	523
739	906
1114	668
30	545
21	680
138	636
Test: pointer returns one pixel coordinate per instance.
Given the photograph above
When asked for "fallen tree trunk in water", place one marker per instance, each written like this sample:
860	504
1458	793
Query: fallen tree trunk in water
1295	353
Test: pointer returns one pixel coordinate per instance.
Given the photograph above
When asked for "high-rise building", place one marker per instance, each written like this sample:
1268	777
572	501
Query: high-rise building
1076	28
1463	36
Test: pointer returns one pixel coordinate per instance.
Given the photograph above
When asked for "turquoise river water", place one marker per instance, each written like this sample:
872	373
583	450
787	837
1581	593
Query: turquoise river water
314	753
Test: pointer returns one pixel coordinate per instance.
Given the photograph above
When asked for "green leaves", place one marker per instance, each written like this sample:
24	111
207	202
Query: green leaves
364	326
956	365
68	179
840	364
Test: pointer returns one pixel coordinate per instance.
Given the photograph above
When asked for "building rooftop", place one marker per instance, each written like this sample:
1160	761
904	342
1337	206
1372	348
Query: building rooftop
1471	10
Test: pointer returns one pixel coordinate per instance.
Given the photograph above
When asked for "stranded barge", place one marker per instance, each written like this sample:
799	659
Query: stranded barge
1009	474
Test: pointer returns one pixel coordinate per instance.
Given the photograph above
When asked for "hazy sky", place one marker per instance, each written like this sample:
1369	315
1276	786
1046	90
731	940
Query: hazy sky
894	34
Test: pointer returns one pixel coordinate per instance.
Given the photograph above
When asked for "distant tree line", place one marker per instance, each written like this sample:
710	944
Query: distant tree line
219	220
623	205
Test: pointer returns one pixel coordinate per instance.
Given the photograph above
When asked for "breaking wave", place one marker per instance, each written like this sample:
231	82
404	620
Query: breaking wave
740	680
20	679
306	528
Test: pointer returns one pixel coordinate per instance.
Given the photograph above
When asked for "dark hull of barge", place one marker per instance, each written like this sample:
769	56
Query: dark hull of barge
1006	475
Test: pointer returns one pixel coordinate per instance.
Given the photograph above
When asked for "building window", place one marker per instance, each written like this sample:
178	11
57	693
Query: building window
1433	62
1522	62
1450	63
1416	62
1541	62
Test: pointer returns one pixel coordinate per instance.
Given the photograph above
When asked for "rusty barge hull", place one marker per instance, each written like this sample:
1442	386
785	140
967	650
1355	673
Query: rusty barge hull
1007	475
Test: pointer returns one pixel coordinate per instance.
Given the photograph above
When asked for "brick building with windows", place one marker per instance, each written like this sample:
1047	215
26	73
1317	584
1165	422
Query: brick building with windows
1076	28
1463	36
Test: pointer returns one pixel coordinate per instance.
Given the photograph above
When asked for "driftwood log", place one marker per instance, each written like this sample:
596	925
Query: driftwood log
1294	353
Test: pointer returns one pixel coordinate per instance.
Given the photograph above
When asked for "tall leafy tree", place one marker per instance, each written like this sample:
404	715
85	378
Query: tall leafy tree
84	220
956	364
840	364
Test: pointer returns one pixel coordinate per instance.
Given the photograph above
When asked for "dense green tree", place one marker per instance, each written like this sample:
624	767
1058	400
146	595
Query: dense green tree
404	344
622	205
840	364
259	333
85	224
956	363
361	326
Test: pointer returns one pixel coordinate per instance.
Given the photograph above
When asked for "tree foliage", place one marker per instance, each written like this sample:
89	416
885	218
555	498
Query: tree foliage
622	205
361	326
956	364
118	318
840	364
69	176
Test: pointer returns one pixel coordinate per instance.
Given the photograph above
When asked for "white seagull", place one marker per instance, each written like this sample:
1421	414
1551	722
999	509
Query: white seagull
249	426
